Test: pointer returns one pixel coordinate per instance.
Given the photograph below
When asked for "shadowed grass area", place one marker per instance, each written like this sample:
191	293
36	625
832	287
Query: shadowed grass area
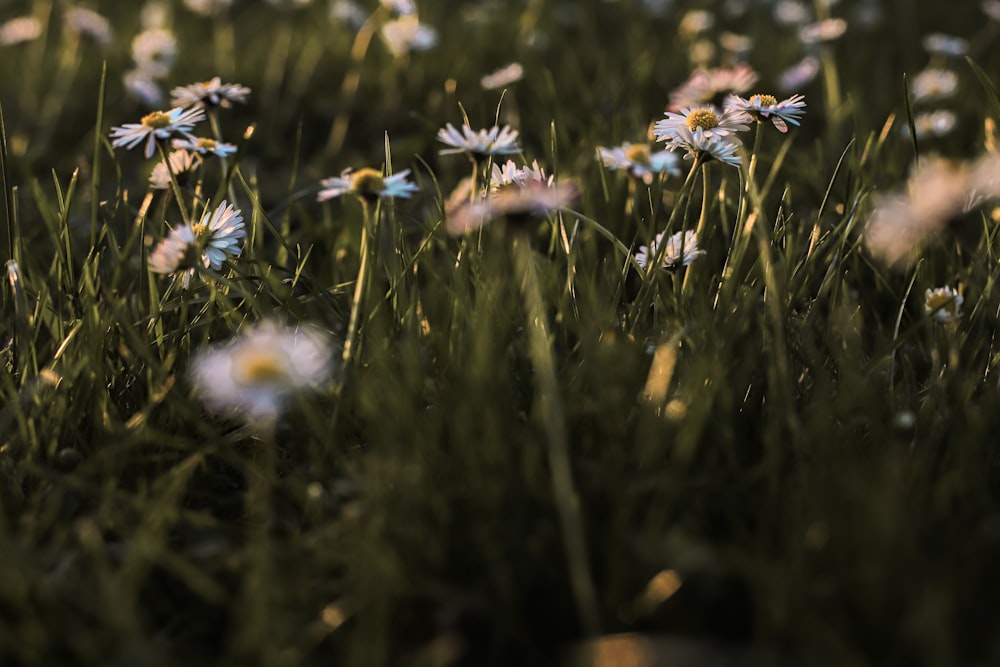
529	448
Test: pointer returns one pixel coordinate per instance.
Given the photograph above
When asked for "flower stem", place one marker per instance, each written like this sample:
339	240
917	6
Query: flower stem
173	182
549	409
360	285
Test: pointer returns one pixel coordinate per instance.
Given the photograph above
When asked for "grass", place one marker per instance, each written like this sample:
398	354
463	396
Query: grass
530	443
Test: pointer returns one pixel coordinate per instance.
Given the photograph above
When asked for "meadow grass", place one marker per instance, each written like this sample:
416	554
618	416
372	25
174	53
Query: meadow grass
771	455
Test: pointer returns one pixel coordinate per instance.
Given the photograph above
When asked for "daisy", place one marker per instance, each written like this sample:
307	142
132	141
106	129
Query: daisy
142	86
767	107
933	84
19	30
943	304
212	93
707	119
494	141
158	125
368	184
827	30
698	145
516	204
945	45
406	34
220	232
938	123
175	252
799	74
154	51
640	161
681	249
511	174
182	163
88	22
503	77
704	85
256	374
205	146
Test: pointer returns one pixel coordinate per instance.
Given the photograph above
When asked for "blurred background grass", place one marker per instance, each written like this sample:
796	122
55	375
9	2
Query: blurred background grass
819	474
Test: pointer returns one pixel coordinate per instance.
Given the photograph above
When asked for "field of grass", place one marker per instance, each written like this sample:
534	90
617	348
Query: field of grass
512	444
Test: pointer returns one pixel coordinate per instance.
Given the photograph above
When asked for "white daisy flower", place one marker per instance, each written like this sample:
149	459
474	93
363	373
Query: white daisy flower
503	77
943	304
639	161
154	51
511	174
19	30
933	84
697	144
257	373
704	85
826	30
368	184
175	252
205	146
208	7
212	93
494	141
89	23
407	34
991	8
938	123
945	45
158	125
798	75
142	86
709	120
681	249
516	204
183	163
767	107
220	231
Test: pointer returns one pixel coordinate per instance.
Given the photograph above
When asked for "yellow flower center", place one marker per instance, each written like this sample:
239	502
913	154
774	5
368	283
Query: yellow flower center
259	367
368	182
764	100
198	228
938	300
156	120
207	144
706	119
638	153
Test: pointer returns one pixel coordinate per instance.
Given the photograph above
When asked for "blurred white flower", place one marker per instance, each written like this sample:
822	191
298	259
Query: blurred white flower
991	8
368	184
494	141
798	75
208	7
826	30
695	22
502	77
933	83
183	163
640	161
704	85
406	34
257	373
736	44
790	12
938	123
515	204
945	45
349	12
176	252
212	93
943	304
154	52
680	250
400	7
142	87
158	125
511	174
19	30
90	24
